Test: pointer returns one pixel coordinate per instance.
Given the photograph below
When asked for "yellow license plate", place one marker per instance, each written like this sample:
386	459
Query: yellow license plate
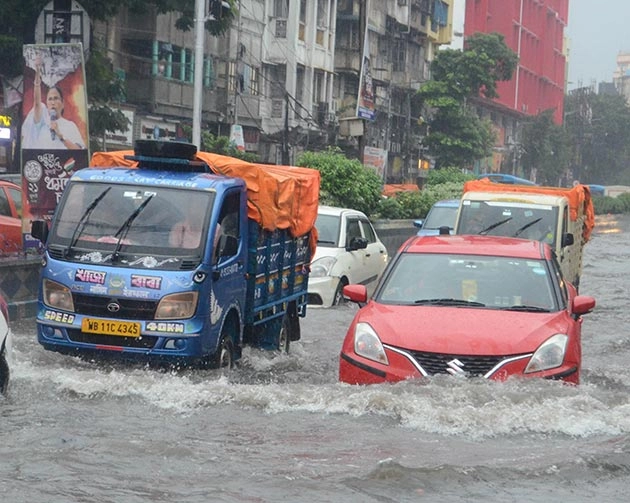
109	327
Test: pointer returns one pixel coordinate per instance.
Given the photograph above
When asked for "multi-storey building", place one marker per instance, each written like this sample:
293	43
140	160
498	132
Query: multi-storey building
621	76
534	30
270	73
402	38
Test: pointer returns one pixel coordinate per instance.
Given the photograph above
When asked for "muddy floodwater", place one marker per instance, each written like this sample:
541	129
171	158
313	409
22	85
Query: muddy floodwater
280	428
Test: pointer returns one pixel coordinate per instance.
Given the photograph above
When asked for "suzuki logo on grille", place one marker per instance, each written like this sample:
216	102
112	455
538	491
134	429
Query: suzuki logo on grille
113	307
456	368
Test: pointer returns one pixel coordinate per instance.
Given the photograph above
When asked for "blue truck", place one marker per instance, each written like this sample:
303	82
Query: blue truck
163	262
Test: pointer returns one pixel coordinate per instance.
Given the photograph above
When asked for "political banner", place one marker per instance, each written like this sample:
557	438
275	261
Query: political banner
54	135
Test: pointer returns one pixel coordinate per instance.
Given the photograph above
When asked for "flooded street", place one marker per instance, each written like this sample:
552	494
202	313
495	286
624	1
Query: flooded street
281	428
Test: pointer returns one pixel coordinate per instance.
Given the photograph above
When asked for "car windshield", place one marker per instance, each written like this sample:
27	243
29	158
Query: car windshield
469	280
513	219
131	225
328	228
440	216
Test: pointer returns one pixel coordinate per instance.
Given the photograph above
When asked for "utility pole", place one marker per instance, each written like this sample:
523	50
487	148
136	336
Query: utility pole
200	19
285	132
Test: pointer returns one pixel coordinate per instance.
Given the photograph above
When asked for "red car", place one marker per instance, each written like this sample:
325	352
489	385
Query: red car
478	306
10	217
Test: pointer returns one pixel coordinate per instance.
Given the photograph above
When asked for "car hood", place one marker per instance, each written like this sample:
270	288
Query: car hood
470	331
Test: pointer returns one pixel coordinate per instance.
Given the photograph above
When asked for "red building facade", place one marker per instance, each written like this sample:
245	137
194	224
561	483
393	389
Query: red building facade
534	30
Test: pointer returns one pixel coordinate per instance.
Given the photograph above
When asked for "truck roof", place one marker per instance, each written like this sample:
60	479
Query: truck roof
278	197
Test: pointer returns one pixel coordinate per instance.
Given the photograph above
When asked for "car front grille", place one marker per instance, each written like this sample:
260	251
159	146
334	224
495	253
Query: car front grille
130	309
474	366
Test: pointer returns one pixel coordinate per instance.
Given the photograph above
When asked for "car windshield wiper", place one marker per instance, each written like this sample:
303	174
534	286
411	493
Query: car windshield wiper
494	226
449	302
78	230
531	309
526	226
124	228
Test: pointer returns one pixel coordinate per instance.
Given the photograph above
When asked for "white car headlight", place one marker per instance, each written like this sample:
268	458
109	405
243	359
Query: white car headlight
368	345
549	355
177	306
57	296
322	267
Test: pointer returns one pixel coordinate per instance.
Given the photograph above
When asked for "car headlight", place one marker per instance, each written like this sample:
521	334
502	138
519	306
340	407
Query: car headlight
549	355
177	306
322	267
57	296
368	345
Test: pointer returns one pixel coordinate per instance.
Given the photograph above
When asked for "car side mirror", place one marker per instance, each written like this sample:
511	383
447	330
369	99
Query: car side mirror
582	304
39	230
567	239
418	223
357	243
355	293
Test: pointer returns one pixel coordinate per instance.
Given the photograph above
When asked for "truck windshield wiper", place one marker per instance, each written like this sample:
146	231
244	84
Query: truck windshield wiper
78	230
494	226
449	302
526	226
124	228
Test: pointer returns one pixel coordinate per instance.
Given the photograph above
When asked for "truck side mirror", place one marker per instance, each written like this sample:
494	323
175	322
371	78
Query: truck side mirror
567	239
39	230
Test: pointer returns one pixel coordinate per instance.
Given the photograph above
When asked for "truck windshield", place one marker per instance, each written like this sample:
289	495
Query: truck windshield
509	218
129	225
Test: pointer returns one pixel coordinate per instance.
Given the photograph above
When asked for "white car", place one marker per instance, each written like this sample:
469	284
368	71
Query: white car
348	252
4	345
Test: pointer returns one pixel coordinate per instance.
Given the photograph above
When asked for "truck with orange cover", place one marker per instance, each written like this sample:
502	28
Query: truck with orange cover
175	255
562	217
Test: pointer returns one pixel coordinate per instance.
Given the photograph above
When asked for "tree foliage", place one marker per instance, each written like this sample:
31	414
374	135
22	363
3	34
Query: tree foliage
344	182
545	149
456	136
598	126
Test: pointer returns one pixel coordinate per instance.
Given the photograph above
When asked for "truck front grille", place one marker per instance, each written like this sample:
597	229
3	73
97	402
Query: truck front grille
130	309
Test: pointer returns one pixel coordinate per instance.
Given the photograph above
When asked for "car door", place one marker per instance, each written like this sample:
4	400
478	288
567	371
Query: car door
375	254
353	263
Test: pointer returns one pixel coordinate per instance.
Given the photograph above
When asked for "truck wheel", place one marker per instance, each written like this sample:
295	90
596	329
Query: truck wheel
224	357
284	336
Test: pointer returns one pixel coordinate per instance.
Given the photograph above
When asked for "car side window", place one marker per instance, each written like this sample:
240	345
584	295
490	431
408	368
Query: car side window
353	230
16	195
5	207
368	231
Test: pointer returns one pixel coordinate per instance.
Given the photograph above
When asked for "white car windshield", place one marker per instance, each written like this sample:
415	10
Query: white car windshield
469	280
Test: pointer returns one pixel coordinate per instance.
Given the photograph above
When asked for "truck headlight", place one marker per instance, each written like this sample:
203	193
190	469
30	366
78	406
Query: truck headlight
177	306
322	267
368	345
57	296
549	355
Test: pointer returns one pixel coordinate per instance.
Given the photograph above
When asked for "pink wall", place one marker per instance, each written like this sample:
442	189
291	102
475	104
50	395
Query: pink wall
538	84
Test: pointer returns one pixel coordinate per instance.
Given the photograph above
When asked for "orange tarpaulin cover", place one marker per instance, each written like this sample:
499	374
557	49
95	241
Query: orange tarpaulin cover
579	196
391	189
278	197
